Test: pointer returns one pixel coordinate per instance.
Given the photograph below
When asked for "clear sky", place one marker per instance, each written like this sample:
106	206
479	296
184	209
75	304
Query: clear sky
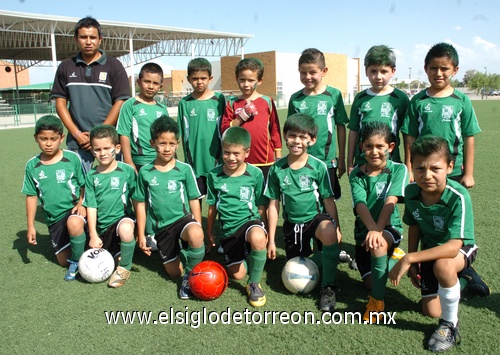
348	27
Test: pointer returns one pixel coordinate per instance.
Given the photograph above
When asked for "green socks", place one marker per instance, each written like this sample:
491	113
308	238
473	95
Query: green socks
379	276
257	260
194	256
127	253
329	259
77	246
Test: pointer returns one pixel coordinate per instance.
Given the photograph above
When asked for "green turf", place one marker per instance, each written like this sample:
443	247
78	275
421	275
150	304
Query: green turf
41	313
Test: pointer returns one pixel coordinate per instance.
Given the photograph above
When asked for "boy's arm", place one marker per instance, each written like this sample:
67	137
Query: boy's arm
79	209
341	137
112	116
82	138
31	205
351	149
331	209
272	220
95	241
467	179
127	151
227	117
374	235
140	214
408	141
195	209
212	213
262	210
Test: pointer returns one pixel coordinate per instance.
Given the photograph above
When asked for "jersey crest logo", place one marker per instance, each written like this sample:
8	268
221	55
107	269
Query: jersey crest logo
61	176
438	223
154	182
322	107
211	115
380	188
305	182
447	113
224	188
245	193
172	186
303	105
427	108
115	183
42	175
159	114
286	181
192	113
386	109
97	182
416	215
103	76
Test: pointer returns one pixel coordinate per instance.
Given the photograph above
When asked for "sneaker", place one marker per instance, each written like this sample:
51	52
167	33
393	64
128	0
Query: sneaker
220	250
256	296
353	265
72	271
373	305
344	257
151	242
118	277
444	337
327	299
476	284
184	290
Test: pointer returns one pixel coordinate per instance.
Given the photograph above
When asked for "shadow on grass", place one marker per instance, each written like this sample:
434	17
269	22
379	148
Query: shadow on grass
491	302
43	247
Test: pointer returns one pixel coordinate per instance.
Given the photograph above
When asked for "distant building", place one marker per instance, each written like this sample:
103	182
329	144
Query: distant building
8	78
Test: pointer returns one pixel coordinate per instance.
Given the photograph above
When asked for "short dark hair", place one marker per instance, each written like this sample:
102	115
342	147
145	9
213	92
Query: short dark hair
152	68
441	50
252	64
312	56
427	145
380	55
105	131
87	22
376	128
164	124
237	135
199	64
49	123
301	123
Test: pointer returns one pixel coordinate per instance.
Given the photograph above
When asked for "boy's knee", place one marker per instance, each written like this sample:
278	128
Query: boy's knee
257	239
194	236
126	231
75	225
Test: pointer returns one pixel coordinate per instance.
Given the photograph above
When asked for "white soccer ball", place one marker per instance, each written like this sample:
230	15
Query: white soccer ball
96	265
300	275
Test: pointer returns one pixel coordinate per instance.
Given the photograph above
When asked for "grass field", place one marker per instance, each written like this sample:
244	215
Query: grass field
41	313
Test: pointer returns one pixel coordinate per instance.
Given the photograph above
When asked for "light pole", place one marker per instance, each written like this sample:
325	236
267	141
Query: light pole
485	71
409	75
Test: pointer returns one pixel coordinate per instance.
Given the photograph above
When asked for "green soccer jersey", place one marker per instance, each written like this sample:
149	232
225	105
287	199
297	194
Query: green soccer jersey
134	122
110	193
328	110
450	218
56	185
390	108
451	117
236	198
199	124
301	190
373	191
167	194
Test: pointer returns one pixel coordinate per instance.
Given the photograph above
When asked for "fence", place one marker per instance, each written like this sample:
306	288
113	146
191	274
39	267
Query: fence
23	114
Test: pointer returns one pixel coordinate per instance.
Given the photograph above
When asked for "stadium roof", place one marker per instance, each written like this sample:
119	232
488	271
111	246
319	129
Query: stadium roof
35	39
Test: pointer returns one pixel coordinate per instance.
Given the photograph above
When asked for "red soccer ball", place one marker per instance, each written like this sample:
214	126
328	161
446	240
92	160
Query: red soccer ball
208	280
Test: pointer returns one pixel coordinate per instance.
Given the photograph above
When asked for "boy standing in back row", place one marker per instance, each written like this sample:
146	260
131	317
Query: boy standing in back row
325	105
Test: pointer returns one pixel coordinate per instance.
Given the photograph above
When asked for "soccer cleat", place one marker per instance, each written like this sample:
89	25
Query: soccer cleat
344	257
327	299
184	290
444	337
373	305
151	242
118	277
256	296
72	271
353	265
476	284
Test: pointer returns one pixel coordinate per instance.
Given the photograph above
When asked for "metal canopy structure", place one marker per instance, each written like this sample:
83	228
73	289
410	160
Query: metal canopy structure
37	40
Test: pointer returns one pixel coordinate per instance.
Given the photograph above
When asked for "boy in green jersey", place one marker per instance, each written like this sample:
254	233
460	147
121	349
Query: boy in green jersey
326	106
381	102
54	179
235	192
438	211
302	183
443	111
168	194
108	190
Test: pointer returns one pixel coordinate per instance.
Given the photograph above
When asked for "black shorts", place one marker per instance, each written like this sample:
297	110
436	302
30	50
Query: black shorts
334	181
236	248
363	257
168	239
298	236
59	233
201	181
265	171
110	238
429	282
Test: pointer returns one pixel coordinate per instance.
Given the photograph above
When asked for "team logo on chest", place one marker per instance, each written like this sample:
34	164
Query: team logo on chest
96	181
305	182
211	115
61	176
380	188
303	105
447	113
367	106
142	112
192	113
386	109
102	77
286	180
159	114
245	193
427	108
438	223
172	186
322	107
153	181
41	175
416	215
224	188
115	183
